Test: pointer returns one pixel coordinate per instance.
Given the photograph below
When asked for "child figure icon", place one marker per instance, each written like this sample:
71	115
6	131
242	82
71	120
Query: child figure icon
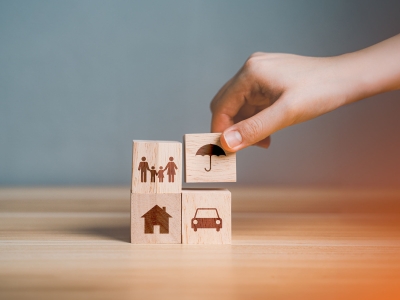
161	174
153	173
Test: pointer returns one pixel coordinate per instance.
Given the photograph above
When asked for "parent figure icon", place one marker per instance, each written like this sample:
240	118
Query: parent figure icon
171	167
143	168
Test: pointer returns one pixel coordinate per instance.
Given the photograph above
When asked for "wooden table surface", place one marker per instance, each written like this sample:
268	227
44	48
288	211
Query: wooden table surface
73	243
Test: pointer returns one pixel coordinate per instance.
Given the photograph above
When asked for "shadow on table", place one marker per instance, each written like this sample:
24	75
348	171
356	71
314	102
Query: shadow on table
118	233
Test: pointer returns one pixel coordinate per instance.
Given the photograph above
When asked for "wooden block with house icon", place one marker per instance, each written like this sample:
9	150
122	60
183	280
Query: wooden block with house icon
206	216
206	161
156	218
156	167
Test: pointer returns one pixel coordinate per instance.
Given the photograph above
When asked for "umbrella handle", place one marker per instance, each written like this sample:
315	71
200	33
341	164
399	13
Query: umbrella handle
210	166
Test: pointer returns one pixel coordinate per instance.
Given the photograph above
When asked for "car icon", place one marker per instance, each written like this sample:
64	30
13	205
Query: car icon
206	222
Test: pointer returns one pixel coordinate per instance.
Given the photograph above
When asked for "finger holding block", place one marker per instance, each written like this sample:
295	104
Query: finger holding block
156	218
206	216
206	161
156	167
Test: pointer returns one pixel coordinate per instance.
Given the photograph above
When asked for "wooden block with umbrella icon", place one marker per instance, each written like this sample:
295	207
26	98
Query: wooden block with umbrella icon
206	161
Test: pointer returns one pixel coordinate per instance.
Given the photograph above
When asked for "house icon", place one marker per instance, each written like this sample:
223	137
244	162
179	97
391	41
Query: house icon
156	216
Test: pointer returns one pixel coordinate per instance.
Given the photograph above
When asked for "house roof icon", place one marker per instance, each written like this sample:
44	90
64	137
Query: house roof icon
156	216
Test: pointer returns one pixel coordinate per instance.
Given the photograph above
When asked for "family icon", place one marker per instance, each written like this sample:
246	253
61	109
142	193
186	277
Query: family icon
170	168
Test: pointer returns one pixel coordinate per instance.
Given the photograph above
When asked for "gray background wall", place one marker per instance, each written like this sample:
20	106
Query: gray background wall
80	79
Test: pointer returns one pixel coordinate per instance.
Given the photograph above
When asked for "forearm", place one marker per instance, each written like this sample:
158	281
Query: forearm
372	70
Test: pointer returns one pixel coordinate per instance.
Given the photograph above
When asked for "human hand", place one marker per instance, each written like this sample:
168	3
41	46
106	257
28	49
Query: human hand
273	91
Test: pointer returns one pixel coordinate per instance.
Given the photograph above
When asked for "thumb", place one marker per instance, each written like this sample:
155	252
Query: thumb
253	130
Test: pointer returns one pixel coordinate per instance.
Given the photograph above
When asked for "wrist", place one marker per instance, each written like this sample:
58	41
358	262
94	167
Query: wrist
374	70
353	79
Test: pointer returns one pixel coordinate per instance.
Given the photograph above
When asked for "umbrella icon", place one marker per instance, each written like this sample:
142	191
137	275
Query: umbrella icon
210	149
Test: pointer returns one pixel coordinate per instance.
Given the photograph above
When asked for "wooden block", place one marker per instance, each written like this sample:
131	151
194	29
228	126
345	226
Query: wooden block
206	216
156	218
156	167
206	161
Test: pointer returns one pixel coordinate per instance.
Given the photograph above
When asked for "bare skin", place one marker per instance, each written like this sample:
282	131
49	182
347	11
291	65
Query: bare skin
272	91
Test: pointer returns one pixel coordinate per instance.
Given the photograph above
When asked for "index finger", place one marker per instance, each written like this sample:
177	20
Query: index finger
226	105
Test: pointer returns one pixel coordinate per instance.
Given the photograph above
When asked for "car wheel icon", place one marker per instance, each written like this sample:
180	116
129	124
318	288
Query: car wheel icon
194	224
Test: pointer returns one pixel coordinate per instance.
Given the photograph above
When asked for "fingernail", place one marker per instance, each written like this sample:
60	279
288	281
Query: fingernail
233	138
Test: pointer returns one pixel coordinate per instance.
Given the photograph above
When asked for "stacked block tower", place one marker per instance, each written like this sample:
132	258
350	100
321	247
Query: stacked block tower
164	213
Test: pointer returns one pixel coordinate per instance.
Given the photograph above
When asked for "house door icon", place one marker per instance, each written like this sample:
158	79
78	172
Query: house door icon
156	216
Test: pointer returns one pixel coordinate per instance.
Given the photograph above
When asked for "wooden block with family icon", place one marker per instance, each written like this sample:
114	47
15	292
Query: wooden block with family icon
156	167
161	212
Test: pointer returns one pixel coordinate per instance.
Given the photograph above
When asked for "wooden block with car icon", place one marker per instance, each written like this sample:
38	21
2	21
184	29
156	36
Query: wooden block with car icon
206	216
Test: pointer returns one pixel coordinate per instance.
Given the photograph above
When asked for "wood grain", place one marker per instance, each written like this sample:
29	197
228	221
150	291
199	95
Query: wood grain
157	154
223	167
142	204
200	206
74	243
